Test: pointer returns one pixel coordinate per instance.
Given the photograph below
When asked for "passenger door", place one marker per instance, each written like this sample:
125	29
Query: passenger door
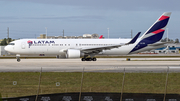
23	45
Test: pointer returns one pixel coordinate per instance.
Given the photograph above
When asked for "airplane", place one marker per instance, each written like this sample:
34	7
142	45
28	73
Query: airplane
77	48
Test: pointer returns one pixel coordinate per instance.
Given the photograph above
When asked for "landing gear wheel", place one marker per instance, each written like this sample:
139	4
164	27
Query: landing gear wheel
83	59
18	59
88	59
57	56
94	59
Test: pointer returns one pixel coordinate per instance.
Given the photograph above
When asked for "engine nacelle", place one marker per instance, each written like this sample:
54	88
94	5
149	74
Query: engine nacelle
73	53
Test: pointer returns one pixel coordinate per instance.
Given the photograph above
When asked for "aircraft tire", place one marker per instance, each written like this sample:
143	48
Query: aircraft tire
18	59
83	59
94	59
89	59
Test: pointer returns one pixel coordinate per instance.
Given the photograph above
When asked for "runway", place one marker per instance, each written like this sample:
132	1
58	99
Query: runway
101	65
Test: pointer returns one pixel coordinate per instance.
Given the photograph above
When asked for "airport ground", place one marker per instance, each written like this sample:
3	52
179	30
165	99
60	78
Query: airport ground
143	75
101	65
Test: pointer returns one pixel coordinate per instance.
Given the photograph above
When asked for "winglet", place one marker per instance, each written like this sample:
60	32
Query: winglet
134	39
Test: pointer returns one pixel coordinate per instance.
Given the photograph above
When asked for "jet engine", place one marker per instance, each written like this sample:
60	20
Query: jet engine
73	53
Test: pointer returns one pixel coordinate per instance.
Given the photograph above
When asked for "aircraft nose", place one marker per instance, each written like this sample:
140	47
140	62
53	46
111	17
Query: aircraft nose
6	48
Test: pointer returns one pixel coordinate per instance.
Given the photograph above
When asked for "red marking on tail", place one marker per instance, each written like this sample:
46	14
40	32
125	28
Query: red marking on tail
163	17
158	31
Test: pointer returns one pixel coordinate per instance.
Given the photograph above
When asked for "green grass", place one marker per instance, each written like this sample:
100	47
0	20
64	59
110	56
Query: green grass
27	83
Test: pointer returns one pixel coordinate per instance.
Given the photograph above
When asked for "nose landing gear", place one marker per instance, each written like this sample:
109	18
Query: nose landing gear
18	57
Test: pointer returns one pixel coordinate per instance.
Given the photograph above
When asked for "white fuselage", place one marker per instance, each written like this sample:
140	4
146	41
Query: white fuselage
57	46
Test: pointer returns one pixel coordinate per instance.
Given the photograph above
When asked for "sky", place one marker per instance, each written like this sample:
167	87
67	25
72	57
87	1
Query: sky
28	18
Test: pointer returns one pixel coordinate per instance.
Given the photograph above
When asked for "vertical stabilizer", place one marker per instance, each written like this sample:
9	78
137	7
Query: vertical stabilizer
156	31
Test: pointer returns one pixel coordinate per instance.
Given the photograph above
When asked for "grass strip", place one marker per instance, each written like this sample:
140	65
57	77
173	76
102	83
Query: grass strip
15	84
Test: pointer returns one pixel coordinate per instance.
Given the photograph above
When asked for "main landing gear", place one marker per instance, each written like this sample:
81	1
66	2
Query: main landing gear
88	59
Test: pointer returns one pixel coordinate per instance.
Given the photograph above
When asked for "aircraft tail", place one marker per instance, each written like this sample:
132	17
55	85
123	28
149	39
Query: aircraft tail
156	31
153	34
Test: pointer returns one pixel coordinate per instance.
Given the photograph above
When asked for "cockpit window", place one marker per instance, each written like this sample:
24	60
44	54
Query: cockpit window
11	44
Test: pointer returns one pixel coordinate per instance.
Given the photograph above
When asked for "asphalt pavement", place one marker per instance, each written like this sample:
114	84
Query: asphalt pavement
101	65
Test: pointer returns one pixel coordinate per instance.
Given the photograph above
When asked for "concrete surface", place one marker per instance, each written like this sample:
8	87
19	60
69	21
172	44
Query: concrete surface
101	65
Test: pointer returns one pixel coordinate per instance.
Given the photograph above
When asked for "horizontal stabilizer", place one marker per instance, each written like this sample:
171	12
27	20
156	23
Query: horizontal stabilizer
159	43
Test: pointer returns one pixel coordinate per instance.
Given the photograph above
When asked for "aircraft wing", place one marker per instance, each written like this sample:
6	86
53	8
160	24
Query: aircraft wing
91	50
101	48
98	49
